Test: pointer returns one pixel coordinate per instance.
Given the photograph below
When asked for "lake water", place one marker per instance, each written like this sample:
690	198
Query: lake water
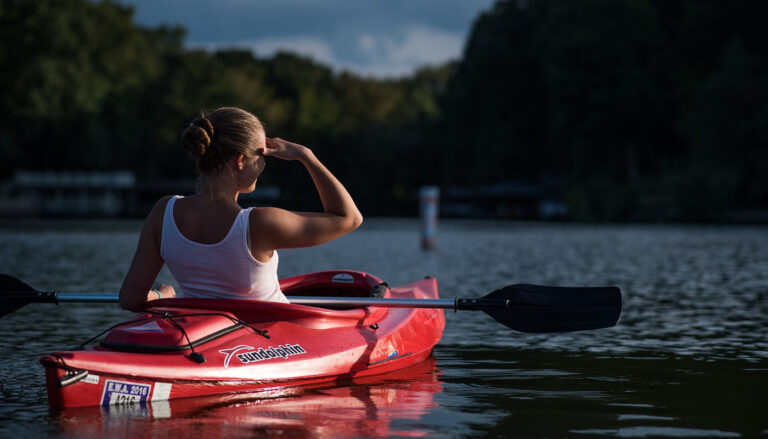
689	357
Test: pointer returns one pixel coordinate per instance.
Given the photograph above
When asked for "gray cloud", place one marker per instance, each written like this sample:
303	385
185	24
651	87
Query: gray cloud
378	38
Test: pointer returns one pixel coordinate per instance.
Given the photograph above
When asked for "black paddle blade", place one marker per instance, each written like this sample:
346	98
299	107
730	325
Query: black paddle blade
10	297
540	309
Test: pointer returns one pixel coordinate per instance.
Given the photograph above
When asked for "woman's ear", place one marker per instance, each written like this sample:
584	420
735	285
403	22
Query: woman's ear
240	162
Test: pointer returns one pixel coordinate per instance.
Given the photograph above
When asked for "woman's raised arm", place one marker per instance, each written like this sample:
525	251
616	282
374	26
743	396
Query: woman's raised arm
279	228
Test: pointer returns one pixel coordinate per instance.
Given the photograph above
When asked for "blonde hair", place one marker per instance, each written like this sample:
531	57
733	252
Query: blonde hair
214	138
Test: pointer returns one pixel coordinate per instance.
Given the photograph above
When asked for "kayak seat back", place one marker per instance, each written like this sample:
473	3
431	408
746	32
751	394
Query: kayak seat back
335	283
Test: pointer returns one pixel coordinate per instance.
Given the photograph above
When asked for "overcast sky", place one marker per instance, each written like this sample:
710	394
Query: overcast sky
372	37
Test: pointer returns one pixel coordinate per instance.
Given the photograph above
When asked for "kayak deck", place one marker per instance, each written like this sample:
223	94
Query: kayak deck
182	348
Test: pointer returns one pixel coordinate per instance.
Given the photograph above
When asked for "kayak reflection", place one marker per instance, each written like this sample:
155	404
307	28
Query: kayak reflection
370	407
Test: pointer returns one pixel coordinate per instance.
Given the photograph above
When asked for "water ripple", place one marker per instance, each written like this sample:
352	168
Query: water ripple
693	333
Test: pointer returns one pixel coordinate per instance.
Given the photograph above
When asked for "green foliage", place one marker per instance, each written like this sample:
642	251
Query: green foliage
61	63
646	110
636	109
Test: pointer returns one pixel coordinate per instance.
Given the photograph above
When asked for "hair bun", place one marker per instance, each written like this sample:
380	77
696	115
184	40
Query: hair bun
197	137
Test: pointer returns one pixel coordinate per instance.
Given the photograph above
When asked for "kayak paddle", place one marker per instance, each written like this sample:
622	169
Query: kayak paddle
522	307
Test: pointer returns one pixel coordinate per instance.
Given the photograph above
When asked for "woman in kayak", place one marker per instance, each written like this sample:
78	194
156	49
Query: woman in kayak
213	247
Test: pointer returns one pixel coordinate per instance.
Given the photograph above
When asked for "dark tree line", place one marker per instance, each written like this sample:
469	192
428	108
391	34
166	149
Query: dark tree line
625	109
634	109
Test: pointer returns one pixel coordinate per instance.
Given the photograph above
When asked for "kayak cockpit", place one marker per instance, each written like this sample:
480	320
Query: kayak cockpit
335	283
322	284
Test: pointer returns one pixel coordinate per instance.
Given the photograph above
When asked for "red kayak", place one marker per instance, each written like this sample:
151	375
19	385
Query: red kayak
180	348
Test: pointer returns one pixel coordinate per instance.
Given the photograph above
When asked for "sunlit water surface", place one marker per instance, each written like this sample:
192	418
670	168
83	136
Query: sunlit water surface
688	359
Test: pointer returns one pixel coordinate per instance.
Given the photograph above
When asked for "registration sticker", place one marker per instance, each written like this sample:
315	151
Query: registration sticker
124	392
91	379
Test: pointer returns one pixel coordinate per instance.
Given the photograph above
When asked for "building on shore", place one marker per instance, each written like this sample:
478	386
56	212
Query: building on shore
67	194
507	200
81	194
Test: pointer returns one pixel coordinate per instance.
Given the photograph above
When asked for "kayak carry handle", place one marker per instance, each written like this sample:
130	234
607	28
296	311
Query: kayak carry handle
72	377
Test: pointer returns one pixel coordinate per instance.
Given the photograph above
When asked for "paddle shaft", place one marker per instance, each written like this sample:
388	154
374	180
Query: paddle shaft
455	304
522	307
59	297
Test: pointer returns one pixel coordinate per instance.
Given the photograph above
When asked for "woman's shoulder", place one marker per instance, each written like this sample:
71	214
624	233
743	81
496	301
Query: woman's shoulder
164	199
154	221
269	220
162	203
158	210
259	216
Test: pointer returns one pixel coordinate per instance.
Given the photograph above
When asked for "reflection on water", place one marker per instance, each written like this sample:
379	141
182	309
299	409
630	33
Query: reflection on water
688	359
386	406
523	393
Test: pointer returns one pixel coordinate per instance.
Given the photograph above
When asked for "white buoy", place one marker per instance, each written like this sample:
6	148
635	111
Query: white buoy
429	197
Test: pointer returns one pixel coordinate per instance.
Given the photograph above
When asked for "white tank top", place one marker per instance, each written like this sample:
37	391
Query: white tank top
224	270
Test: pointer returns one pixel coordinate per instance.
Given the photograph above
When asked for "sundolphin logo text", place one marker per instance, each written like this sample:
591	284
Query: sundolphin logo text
282	351
232	351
